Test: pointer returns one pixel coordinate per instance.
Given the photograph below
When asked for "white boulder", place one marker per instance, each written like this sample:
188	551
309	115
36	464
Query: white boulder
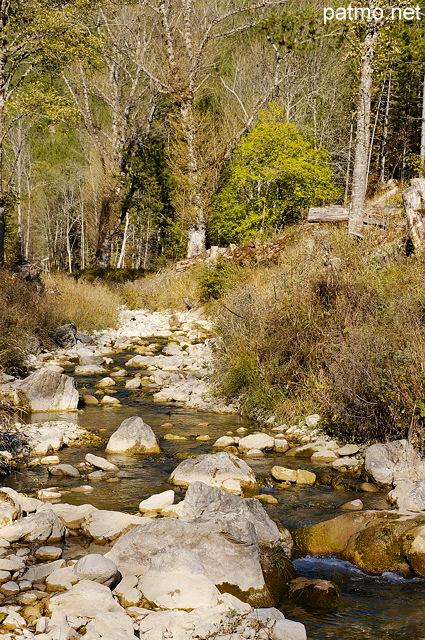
222	470
46	390
133	436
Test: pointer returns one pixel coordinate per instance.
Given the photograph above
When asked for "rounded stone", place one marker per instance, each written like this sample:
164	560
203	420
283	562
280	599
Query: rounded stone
97	568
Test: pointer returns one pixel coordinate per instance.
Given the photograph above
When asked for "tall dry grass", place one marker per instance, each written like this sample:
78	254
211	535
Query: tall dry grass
344	338
89	305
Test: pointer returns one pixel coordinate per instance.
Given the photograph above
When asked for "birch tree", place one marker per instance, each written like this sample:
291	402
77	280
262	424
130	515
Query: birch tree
34	34
116	101
186	63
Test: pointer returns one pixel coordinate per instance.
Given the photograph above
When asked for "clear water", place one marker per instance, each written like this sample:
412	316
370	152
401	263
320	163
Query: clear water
388	607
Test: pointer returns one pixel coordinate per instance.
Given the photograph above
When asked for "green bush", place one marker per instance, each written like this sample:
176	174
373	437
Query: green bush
214	279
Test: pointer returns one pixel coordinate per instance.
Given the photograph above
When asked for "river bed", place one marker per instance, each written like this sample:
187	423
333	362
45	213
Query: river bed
371	608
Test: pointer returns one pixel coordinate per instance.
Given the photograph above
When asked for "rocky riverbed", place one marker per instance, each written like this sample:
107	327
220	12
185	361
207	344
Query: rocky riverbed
206	563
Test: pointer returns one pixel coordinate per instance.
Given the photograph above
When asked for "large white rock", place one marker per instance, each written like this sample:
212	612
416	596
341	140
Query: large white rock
133	436
85	599
260	441
203	501
96	567
72	516
176	579
105	526
157	502
222	470
27	504
225	545
40	527
407	495
387	463
46	390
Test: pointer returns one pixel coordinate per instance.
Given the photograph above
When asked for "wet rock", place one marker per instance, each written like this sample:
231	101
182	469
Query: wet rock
134	383
331	536
50	460
225	441
106	382
387	463
133	436
101	463
64	470
346	464
110	401
353	505
413	548
90	400
222	470
46	390
315	594
282	474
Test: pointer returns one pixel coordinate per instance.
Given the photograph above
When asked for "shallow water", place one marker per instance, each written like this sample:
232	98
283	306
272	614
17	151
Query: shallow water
371	608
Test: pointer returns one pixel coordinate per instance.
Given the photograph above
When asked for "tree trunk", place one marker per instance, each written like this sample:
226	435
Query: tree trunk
422	155
361	157
383	155
124	242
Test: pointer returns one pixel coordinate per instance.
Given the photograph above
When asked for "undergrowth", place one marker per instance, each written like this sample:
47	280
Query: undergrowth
343	338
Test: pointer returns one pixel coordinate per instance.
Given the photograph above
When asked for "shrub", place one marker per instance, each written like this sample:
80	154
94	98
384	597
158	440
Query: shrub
303	337
25	314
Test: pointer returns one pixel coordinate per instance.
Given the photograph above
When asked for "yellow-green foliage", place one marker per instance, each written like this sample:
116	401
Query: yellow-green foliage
346	341
89	305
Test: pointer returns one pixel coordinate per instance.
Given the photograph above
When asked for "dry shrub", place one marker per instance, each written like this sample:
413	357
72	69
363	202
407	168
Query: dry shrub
349	343
164	290
89	305
25	314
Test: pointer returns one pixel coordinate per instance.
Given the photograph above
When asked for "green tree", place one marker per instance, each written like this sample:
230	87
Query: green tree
273	175
35	36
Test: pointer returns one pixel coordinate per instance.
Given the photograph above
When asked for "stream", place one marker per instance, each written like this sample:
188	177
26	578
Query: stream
387	607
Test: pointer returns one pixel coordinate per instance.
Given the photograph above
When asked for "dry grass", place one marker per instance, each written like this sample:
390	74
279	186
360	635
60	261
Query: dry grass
89	305
164	290
345	339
